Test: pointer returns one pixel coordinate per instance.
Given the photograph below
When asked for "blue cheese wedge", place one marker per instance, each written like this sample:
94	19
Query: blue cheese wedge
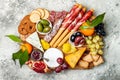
34	40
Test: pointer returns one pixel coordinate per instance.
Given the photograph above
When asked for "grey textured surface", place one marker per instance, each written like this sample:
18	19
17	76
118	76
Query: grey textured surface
12	11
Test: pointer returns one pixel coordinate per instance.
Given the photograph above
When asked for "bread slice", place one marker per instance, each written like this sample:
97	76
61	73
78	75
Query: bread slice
83	64
100	61
88	58
95	57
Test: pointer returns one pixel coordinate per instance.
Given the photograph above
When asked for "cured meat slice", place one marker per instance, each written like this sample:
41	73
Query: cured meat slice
57	25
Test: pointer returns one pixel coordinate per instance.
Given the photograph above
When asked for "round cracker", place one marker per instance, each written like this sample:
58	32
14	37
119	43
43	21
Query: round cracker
41	11
34	17
35	11
47	14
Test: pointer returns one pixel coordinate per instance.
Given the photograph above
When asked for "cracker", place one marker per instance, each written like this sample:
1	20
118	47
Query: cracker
34	17
47	14
41	11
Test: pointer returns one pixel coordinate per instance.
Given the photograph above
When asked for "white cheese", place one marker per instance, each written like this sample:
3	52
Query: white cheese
52	54
34	40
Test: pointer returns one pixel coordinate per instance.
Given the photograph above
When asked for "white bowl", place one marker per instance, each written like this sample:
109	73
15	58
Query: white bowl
72	43
42	33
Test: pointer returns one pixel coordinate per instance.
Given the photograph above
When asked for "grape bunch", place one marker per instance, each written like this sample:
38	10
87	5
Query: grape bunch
63	65
99	29
95	44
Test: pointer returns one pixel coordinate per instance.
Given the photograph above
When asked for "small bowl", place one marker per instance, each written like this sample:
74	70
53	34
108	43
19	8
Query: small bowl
36	51
42	33
72	43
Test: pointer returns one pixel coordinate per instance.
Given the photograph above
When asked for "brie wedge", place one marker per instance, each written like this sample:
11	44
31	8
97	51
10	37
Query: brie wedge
34	40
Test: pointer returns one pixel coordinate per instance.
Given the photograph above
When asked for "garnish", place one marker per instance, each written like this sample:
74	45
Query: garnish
14	38
95	22
21	56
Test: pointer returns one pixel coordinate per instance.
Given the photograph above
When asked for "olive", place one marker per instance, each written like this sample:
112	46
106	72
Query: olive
44	22
72	38
46	29
78	34
39	27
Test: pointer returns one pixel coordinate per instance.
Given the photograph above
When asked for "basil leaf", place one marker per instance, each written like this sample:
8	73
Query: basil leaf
98	20
16	55
14	38
23	58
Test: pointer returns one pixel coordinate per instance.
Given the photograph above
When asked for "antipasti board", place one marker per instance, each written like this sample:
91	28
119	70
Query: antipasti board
52	41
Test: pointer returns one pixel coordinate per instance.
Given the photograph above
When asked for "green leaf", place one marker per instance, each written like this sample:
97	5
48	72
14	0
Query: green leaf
16	55
14	38
84	27
97	20
88	22
23	58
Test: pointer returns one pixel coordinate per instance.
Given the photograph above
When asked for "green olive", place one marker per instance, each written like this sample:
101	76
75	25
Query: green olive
44	22
46	29
40	27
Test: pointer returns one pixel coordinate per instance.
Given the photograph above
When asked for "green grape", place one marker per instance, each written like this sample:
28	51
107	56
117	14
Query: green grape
97	46
101	43
92	49
94	40
89	42
90	37
86	38
93	46
94	52
97	37
100	51
100	39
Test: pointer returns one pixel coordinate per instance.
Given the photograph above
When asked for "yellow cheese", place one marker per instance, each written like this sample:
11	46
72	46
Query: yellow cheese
73	58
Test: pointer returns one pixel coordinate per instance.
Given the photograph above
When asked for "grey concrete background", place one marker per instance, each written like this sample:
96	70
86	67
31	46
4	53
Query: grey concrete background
12	11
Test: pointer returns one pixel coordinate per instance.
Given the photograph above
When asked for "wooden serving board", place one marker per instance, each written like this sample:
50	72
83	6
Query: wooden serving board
28	26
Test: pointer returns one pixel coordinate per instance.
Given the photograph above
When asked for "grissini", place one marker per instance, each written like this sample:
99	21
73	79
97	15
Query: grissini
66	22
70	27
84	19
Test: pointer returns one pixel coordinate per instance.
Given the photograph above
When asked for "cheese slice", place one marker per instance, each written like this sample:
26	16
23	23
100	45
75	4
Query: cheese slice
34	40
73	58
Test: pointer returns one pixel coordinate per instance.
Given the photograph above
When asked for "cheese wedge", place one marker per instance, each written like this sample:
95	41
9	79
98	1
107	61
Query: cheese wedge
73	58
34	40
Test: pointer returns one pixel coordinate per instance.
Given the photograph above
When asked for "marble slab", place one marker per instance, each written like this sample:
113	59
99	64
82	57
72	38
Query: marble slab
12	11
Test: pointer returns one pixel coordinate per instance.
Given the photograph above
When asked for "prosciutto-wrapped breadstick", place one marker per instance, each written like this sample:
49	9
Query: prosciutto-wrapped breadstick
67	22
71	26
84	18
